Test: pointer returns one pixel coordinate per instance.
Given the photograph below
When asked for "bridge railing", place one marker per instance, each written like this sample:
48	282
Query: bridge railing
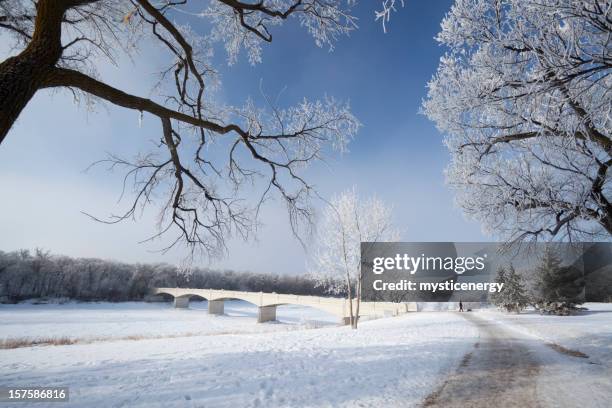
337	306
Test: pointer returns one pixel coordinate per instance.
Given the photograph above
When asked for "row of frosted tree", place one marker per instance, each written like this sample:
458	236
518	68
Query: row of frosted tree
550	288
39	274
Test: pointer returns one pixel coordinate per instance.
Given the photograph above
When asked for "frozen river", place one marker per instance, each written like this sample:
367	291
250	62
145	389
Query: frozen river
88	321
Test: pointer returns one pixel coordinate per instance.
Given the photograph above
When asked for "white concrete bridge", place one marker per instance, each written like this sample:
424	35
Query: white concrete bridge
267	302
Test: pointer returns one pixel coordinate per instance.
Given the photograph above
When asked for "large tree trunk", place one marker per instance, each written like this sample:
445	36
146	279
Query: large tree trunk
22	75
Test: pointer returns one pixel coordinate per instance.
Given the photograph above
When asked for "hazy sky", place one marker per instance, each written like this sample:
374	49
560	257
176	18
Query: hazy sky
398	154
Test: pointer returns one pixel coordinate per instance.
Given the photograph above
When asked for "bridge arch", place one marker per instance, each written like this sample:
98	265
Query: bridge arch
216	300
174	294
185	295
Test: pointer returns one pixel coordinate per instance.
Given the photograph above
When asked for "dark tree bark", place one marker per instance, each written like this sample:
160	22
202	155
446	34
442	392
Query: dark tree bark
22	75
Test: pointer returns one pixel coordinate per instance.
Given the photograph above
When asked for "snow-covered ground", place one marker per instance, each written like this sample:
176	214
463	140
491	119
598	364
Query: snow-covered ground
94	321
587	331
563	380
387	362
191	359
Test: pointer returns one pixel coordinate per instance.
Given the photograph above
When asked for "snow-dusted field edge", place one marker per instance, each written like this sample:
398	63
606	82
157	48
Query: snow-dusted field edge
387	362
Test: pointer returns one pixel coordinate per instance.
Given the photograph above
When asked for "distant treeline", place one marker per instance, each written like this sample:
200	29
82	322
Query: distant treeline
26	275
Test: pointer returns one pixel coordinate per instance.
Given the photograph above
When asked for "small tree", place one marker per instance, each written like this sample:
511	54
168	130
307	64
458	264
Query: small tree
558	289
512	297
348	221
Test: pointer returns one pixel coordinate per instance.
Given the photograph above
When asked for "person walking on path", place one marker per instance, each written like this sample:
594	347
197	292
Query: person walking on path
460	306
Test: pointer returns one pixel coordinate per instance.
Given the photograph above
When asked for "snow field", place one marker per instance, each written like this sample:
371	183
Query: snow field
387	362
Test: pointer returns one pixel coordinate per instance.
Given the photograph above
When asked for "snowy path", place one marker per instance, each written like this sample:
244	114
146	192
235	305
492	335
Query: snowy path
499	372
509	367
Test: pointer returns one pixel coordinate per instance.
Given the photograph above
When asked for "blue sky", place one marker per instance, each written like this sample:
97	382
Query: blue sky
398	154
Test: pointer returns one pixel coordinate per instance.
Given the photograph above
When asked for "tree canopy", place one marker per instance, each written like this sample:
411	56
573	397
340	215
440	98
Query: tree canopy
524	98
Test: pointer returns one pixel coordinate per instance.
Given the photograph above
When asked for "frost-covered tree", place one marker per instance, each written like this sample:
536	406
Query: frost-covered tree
513	296
524	96
348	221
25	275
557	289
58	44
